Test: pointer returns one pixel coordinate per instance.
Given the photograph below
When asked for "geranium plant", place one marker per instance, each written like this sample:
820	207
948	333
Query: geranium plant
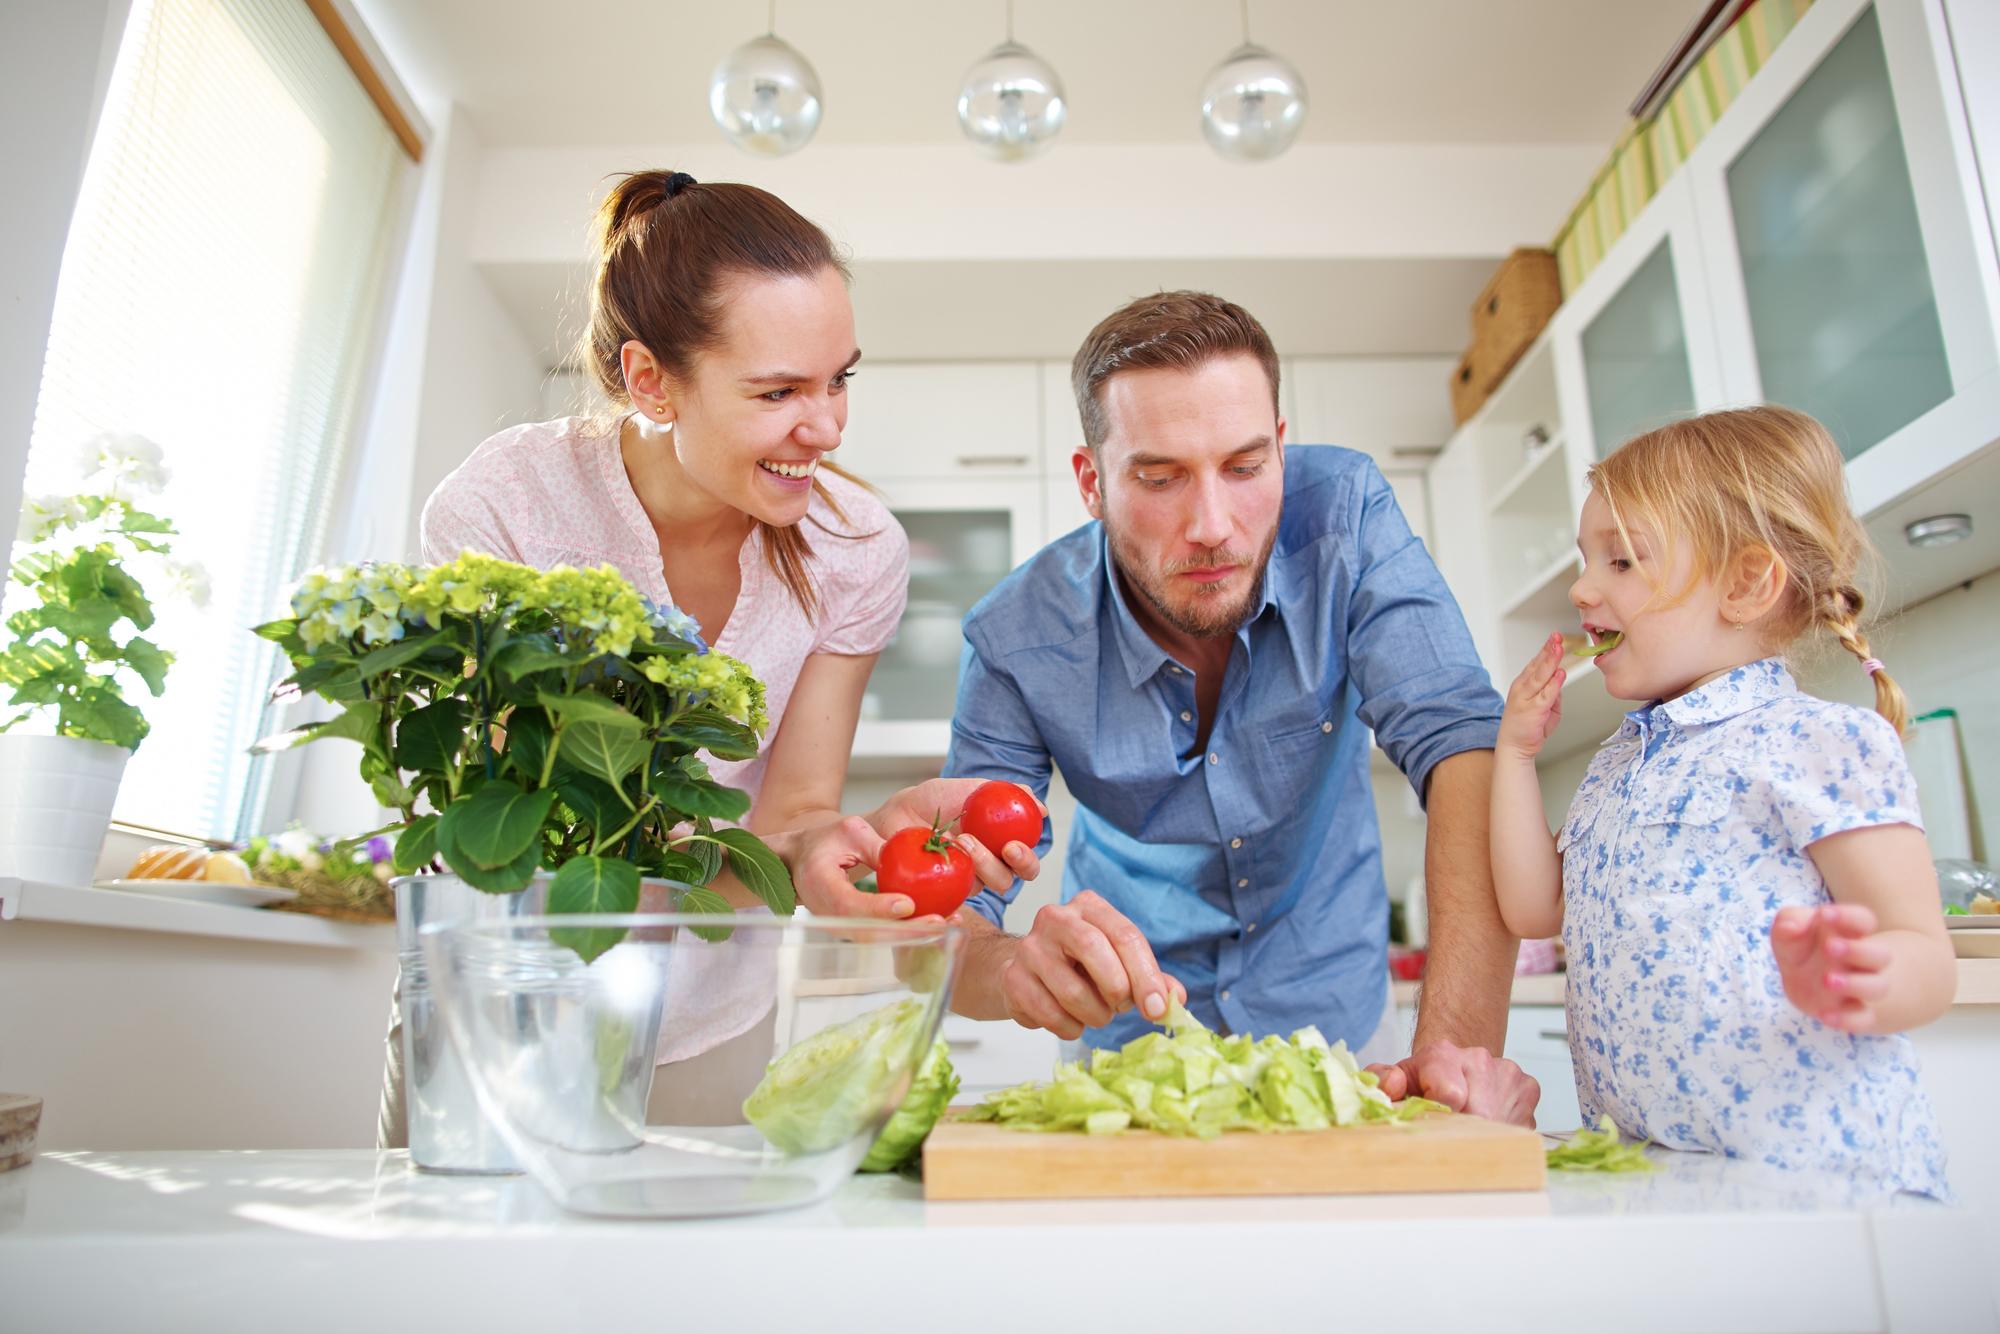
75	646
522	720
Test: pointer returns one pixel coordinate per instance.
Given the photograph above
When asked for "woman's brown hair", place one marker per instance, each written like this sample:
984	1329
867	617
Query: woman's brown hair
665	244
1763	479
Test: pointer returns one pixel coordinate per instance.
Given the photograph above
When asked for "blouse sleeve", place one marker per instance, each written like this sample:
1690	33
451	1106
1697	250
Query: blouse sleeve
1839	770
459	518
880	580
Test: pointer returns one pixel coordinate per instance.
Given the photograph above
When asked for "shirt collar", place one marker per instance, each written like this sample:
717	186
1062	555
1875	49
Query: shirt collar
1735	692
1143	657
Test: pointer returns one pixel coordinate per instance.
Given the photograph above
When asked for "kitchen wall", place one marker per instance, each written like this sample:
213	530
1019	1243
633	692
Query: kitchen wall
1940	652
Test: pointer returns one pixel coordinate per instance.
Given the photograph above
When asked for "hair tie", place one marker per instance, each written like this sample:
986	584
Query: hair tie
1871	665
677	182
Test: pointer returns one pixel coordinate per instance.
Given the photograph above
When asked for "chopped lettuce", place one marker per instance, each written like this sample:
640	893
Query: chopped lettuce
1599	1150
827	1089
930	1093
1188	1081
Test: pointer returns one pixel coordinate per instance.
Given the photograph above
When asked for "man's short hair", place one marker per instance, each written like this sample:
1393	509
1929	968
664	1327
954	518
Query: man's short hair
1164	331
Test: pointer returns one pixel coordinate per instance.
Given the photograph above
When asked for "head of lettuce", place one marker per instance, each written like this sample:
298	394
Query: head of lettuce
832	1086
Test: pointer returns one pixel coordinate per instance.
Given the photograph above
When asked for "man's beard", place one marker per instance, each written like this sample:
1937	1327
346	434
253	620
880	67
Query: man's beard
1206	615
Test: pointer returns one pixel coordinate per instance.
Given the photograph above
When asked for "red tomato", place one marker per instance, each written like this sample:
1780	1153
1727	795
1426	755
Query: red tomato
926	865
1000	813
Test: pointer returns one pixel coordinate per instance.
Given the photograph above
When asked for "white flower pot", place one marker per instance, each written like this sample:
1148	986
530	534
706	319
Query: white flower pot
56	794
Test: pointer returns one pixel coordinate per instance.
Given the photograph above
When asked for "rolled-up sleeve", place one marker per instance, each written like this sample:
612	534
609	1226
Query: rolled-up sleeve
993	735
1418	677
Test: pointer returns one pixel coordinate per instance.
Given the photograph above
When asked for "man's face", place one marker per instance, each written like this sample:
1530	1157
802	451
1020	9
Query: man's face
1189	482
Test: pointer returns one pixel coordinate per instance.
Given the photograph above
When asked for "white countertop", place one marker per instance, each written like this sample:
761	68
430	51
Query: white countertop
347	1240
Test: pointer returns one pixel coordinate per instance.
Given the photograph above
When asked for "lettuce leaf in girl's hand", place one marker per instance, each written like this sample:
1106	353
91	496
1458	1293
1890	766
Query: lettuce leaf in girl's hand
1188	1081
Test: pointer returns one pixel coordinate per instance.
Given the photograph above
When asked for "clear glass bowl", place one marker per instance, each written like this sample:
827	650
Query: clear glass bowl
621	1084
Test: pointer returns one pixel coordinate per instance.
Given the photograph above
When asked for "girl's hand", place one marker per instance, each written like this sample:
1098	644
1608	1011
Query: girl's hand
1534	703
1832	970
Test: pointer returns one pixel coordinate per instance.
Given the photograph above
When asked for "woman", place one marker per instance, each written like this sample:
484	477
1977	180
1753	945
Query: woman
722	332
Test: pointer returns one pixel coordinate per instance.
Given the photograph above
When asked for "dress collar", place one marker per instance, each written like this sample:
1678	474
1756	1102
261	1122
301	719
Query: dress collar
1735	692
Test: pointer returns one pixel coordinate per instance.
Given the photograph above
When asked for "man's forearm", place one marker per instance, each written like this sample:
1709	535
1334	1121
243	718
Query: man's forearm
987	949
1470	969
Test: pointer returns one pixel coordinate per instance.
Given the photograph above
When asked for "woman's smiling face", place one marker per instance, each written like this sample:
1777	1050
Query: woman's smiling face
764	404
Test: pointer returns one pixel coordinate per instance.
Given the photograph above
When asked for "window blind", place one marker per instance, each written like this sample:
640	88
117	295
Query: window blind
218	295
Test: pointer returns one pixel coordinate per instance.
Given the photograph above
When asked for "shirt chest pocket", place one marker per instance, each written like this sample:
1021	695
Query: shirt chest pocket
1676	851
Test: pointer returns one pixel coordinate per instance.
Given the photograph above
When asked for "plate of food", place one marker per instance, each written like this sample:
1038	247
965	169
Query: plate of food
198	875
1975	931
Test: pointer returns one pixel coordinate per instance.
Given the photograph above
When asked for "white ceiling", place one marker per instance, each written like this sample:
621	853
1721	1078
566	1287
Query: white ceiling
542	73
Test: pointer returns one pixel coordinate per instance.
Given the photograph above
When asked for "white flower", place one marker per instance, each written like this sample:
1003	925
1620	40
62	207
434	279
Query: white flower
188	580
383	872
312	861
42	515
296	843
126	464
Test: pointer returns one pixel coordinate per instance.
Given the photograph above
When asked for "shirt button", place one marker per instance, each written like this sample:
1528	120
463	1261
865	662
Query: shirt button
1214	758
1244	884
1235	842
1174	668
1225	995
1186	717
1326	727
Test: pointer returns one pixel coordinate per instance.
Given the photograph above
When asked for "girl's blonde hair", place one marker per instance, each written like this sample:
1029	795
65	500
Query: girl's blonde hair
1766	480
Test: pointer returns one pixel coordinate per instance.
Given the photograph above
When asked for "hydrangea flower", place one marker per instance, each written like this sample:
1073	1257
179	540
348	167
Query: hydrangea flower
671	619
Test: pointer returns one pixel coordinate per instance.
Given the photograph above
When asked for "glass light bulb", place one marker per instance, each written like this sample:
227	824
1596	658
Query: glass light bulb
765	98
1253	105
1011	103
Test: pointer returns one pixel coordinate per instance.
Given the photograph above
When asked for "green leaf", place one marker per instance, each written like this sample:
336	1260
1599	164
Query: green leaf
493	827
526	743
127	593
709	855
699	900
684	869
138	521
759	869
688	797
100	715
149	661
416	845
330	679
506	879
587	708
88	617
596	803
705	729
593	885
430	738
391	656
607	750
357	722
524	655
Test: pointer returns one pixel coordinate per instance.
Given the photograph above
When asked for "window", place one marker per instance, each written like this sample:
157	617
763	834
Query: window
219	293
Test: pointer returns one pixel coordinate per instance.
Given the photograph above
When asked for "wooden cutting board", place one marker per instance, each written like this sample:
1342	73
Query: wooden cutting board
975	1160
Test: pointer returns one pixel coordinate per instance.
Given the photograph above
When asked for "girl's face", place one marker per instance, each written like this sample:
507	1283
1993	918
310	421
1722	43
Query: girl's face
765	404
1667	647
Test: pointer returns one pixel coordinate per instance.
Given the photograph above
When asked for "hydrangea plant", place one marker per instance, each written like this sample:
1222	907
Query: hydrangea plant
522	720
75	646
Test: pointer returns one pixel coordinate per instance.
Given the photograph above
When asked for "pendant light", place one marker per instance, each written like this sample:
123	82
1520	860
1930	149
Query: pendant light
1011	104
1253	104
765	96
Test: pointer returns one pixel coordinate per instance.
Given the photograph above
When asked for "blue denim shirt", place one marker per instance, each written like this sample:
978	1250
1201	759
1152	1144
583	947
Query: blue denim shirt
1253	867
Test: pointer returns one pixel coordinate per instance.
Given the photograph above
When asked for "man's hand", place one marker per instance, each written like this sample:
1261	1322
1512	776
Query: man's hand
1465	1079
1082	963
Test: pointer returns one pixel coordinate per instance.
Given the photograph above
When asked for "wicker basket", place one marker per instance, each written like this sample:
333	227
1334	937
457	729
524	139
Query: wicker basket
1511	312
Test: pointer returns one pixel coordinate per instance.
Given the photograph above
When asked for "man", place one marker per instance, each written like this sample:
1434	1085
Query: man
1203	664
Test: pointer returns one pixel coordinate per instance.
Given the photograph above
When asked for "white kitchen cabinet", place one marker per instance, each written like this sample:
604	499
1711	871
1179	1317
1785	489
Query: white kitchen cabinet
1830	246
1394	409
1538	1042
971	421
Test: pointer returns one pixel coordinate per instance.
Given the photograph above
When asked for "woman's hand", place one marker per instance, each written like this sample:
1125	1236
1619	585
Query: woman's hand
943	800
1534	703
825	860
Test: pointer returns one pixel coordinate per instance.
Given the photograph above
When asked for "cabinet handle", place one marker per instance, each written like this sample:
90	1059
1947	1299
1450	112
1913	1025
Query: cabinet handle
962	1044
993	460
1556	1034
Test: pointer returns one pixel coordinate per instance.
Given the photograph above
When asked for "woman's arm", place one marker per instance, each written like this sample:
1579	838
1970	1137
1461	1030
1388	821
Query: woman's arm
1878	960
1527	869
807	760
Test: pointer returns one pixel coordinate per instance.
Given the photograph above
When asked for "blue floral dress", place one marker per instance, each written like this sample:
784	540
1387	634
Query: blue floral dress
1687	835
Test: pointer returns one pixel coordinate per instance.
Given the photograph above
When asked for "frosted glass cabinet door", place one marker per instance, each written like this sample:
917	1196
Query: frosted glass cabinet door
1635	356
1842	310
956	556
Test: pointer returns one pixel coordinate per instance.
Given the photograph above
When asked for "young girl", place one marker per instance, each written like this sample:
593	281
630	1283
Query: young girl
1742	882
